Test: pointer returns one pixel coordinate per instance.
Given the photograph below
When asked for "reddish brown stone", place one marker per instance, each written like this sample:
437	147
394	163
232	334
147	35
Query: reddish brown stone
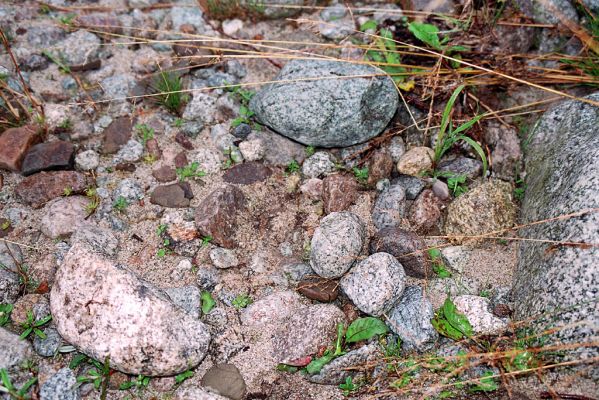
164	174
127	167
14	144
154	149
183	141
216	216
47	156
117	134
338	192
380	166
176	195
42	187
406	246
181	160
320	289
247	173
425	211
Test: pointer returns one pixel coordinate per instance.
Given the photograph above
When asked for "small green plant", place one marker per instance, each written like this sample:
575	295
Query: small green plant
410	368
484	293
168	87
141	382
31	325
66	125
178	123
67	19
292	167
5	310
208	302
58	60
348	386
5	225
183	376
120	204
361	174
520	189
310	150
94	200
245	114
44	9
429	34
387	57
67	191
457	184
486	383
8	387
145	133
449	322
190	171
242	301
438	264
161	229
206	241
448	135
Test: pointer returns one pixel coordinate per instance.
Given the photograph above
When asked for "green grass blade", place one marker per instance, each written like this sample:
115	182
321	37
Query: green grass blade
479	150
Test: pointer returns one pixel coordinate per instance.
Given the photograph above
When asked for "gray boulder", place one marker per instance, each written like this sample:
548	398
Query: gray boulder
411	318
562	178
315	105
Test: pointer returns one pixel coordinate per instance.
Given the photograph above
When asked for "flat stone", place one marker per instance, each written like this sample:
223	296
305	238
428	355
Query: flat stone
320	112
216	216
320	289
56	155
164	174
117	134
425	212
104	309
63	216
484	209
416	161
375	284
225	380
247	173
87	160
336	244
171	196
313	189
13	351
47	347
338	192
14	144
469	167
223	258
188	298
410	319
271	310
399	243
38	189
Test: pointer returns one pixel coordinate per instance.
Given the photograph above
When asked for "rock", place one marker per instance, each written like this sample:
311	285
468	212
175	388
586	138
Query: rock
281	151
13	351
47	347
425	211
337	371
14	144
99	240
456	257
562	178
546	11
36	304
338	192
123	317
171	196
223	258
153	149
131	152
296	270
375	284
416	161
336	244
10	256
117	134
399	242
232	26
60	386
208	160
327	112
183	141
64	216
130	190
36	190
226	380
440	190
313	188
506	153
188	298
389	207
55	155
252	150
380	166
9	286
247	173
469	167
318	165
477	310
80	50
306	331
396	148
104	23
484	209
196	393
320	289
271	310
87	160
202	107
216	215
181	160
337	29
164	174
411	184
242	131
410	319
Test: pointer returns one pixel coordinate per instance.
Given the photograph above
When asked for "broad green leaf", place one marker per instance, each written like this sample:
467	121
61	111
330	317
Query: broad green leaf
457	320
368	25
77	359
434	253
316	365
183	376
208	302
427	33
365	328
443	326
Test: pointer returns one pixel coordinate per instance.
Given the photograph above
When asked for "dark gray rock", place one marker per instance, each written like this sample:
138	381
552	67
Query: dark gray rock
411	318
405	246
60	386
389	207
296	270
462	166
331	112
411	184
335	372
375	284
562	178
47	347
336	244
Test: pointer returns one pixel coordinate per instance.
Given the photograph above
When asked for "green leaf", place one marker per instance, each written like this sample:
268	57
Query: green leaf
487	383
183	376
339	342
287	368
457	320
208	302
365	328
6	379
434	253
443	326
316	365
126	385
5	310
25	333
479	150
368	25
39	333
77	359
25	388
427	33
